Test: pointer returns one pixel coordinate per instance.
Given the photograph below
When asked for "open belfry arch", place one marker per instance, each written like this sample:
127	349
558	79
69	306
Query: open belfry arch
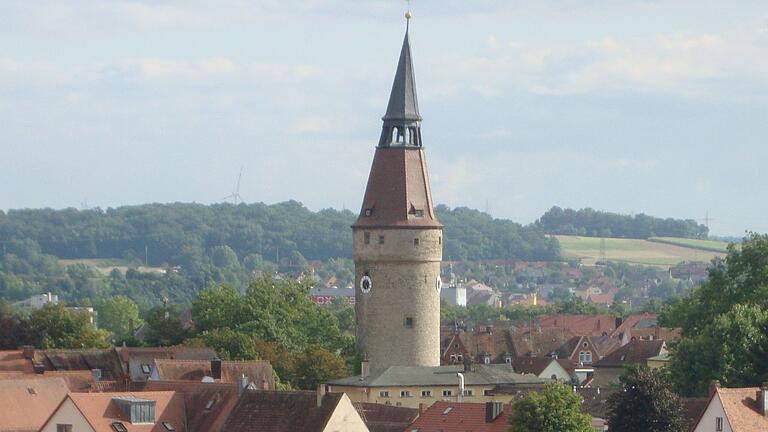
397	240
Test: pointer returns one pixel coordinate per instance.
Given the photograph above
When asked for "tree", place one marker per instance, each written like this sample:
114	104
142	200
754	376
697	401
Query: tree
230	344
645	403
316	365
120	315
554	409
164	327
724	322
59	327
15	331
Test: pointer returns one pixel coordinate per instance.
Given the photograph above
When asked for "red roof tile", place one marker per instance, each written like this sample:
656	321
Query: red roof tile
27	403
459	417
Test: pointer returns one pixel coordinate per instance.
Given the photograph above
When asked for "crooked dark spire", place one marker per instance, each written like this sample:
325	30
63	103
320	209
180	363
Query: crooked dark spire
401	121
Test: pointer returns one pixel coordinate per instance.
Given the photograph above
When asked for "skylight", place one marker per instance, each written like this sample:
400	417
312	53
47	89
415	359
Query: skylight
447	410
119	427
209	405
169	427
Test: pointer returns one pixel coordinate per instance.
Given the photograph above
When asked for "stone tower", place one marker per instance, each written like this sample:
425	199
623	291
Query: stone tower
397	241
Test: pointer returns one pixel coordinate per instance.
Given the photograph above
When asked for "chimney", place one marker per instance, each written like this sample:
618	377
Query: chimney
216	368
492	411
619	320
461	387
713	386
242	385
467	364
762	400
365	369
28	351
320	394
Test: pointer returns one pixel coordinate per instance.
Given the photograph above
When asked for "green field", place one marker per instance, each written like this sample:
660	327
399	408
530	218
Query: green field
706	245
634	251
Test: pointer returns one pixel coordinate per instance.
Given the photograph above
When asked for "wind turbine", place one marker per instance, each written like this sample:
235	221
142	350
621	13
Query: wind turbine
236	194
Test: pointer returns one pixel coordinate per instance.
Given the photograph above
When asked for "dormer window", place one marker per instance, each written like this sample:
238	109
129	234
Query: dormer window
368	212
145	368
419	213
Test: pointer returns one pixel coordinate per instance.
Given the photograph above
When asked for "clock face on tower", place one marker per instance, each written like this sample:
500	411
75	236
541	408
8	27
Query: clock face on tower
365	284
438	284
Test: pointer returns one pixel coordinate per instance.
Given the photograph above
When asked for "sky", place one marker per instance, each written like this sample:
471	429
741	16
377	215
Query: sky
659	107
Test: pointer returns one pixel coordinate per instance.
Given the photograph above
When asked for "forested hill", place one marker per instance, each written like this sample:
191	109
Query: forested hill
182	234
593	223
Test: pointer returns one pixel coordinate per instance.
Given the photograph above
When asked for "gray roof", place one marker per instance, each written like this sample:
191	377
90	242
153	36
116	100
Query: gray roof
332	292
440	375
403	104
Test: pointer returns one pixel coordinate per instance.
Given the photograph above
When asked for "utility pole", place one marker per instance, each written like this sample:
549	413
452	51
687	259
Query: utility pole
146	256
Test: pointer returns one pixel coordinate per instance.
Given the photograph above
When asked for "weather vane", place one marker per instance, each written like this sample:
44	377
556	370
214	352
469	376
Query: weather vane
408	14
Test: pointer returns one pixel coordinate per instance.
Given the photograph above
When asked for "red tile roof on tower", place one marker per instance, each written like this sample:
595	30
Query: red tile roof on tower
459	417
398	190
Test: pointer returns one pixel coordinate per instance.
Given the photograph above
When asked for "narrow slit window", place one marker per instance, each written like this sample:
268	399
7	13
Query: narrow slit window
367	238
408	322
416	242
381	239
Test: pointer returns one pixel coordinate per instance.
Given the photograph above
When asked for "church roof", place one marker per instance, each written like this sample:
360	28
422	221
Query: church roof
403	103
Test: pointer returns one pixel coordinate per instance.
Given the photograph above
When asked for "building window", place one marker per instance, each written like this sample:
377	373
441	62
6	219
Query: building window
405	393
426	393
368	212
468	393
416	242
440	240
209	404
381	239
384	394
585	357
367	238
508	360
419	213
408	322
487	392
447	393
63	428
719	424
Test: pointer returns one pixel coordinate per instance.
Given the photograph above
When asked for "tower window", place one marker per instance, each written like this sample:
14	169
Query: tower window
367	238
408	322
426	393
440	240
416	242
419	213
381	239
368	212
